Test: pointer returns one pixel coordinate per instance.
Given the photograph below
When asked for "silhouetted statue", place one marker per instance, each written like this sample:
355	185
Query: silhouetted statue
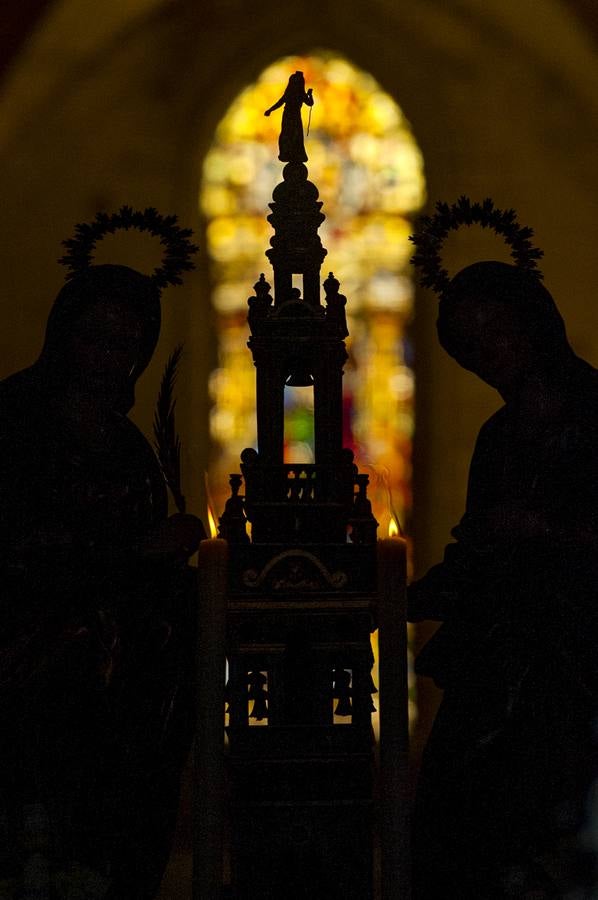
96	646
508	762
336	303
290	143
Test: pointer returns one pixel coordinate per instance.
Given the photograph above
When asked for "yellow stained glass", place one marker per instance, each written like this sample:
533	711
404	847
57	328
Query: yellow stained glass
369	171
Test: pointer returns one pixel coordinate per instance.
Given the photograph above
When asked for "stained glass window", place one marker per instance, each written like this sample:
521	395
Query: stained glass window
367	166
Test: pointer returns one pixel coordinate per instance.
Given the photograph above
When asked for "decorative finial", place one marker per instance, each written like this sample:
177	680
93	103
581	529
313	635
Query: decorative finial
259	304
262	288
335	304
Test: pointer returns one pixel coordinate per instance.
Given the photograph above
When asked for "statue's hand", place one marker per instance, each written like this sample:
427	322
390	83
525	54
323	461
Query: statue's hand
177	537
431	597
188	531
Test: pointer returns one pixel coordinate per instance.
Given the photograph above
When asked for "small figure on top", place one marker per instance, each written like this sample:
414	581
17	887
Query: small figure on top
290	143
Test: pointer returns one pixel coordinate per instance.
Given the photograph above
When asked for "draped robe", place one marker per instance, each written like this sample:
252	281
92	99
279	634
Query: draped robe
510	757
95	652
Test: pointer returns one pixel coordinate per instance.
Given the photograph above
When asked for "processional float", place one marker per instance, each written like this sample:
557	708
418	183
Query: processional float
291	790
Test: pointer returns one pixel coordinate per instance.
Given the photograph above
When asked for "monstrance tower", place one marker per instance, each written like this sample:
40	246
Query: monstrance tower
302	584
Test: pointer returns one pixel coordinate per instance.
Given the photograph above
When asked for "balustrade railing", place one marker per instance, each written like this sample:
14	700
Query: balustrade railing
299	483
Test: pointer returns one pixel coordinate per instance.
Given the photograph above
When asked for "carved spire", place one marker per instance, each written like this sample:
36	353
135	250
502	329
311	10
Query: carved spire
296	246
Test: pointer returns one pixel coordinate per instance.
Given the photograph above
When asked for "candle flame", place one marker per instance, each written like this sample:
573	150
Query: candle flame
212	523
393	528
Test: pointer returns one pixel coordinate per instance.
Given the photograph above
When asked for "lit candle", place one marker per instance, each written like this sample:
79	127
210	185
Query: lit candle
208	756
394	719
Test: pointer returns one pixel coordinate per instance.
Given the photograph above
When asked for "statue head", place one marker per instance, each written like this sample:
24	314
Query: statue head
296	84
101	333
105	322
496	320
499	321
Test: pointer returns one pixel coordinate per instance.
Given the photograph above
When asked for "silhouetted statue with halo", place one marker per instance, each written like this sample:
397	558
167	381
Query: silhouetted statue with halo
508	763
96	650
290	143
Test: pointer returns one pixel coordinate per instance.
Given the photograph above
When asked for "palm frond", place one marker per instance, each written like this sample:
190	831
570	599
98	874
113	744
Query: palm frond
167	442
